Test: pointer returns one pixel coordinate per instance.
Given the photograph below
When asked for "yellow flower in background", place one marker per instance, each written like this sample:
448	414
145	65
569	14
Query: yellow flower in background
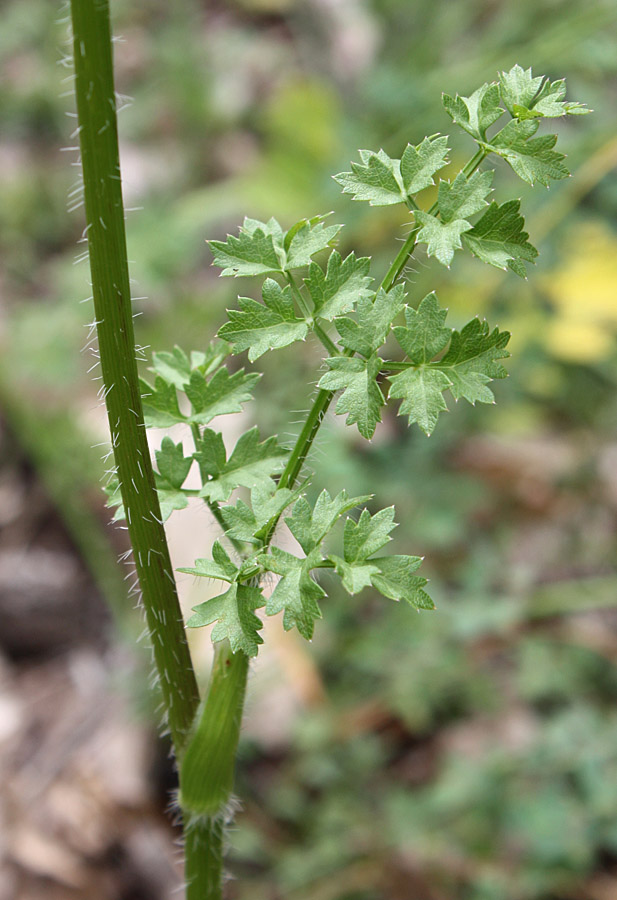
584	293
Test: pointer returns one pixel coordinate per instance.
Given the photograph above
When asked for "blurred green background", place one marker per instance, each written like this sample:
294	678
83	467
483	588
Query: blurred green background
469	754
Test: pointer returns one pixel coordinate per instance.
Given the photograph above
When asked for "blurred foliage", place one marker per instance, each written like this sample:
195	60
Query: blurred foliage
467	753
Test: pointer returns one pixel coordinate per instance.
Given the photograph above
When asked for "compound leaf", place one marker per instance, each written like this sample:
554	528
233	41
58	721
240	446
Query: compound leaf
471	361
258	327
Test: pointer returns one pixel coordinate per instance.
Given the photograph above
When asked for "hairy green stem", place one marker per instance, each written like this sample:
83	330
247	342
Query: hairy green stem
207	772
98	136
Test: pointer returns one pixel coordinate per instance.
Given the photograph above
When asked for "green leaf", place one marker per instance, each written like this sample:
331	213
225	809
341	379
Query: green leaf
296	593
533	159
338	289
369	330
311	237
395	579
376	179
424	335
442	238
258	327
174	367
160	404
253	252
219	567
476	113
309	525
355	576
223	394
419	164
499	240
250	523
173	465
472	361
527	97
368	535
251	463
464	196
550	102
234	614
518	88
362	398
421	390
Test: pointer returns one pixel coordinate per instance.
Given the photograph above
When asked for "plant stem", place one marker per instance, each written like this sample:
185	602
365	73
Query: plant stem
207	772
204	870
98	136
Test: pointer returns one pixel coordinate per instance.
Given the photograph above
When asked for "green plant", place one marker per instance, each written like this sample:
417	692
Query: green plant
425	359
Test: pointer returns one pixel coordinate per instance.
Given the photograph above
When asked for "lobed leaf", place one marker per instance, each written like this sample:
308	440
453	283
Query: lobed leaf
310	525
223	394
443	238
235	618
340	287
469	364
362	398
251	463
377	179
419	164
499	240
368	331
533	159
251	523
160	404
258	327
464	196
296	594
475	114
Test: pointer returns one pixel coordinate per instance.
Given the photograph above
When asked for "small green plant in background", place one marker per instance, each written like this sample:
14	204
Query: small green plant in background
379	346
